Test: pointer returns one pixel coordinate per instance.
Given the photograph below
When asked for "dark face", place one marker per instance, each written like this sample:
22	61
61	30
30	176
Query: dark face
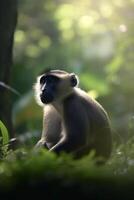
48	88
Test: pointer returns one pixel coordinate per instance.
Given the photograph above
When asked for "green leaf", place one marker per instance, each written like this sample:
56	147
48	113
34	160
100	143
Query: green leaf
4	133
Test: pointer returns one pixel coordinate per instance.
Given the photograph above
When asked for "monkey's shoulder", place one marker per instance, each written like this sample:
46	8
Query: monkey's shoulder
80	100
85	97
81	97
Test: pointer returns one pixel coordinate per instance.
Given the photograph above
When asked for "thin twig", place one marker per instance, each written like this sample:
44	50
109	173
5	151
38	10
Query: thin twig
10	88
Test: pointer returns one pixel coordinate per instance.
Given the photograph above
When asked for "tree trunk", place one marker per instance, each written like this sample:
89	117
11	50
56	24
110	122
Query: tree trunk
8	19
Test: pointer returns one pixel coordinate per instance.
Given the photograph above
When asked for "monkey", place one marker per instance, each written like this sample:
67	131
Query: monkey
73	122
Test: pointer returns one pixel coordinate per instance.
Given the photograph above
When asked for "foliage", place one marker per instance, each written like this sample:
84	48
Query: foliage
4	139
35	171
39	170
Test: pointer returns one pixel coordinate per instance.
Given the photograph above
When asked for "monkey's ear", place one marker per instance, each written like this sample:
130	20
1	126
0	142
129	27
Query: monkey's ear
74	80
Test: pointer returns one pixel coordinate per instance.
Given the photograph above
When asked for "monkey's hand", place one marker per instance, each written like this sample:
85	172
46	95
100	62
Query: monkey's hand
41	144
62	145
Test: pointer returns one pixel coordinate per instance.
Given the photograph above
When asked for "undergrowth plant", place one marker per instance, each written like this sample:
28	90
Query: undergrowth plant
4	139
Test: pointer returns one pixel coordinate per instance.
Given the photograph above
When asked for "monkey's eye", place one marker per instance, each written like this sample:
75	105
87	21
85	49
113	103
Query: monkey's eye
42	80
49	79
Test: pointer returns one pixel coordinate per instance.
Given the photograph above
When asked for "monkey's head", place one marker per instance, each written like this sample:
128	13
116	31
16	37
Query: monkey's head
54	85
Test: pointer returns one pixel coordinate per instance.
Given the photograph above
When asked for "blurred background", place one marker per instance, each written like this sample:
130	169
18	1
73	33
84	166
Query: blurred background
92	38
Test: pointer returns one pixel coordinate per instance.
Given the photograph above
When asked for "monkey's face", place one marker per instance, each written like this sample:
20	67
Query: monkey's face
54	86
48	87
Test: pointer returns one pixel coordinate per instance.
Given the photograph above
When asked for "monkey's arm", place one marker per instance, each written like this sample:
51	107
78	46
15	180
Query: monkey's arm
69	145
75	136
51	128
